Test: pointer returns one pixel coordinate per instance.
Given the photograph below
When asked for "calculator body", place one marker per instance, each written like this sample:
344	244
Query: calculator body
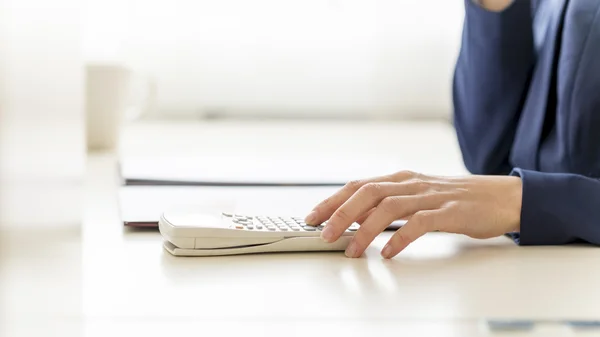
190	233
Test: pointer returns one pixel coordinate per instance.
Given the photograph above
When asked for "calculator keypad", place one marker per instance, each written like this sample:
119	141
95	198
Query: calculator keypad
274	223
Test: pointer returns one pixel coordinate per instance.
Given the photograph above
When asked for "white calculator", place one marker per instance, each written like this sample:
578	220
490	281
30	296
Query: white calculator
189	233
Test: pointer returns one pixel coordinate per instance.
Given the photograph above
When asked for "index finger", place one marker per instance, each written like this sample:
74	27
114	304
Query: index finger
325	209
367	197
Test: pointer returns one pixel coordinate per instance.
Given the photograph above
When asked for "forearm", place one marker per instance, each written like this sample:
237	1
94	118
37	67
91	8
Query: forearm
495	60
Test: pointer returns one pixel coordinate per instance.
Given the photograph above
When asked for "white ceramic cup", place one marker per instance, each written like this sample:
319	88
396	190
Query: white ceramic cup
110	102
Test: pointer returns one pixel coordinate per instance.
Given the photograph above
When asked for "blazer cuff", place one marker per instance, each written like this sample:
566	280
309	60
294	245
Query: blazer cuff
540	208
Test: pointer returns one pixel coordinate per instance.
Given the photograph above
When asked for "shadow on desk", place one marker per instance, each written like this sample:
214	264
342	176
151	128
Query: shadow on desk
432	257
439	275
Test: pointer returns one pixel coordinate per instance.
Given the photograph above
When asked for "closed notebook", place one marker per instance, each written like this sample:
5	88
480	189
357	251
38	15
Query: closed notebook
247	170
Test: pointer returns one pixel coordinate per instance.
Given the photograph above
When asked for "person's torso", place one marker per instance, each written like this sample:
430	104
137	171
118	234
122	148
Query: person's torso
559	128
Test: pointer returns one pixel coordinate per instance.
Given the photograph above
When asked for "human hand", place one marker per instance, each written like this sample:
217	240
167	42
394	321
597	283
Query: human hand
477	206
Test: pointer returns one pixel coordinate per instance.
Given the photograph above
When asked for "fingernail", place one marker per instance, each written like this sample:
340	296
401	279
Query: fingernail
387	251
327	234
311	218
352	249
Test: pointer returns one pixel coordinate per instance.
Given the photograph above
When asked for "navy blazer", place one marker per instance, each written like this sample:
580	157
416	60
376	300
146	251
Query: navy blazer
526	94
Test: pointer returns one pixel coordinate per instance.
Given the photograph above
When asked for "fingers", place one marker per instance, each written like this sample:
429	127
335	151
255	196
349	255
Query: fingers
418	225
374	225
390	209
325	209
367	197
364	217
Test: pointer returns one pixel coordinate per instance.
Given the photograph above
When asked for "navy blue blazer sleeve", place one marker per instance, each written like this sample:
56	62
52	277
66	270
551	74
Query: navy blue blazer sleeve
490	79
558	208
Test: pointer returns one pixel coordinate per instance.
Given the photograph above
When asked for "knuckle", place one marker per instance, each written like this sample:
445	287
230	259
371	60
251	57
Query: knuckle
372	189
354	185
325	203
408	173
401	238
389	205
342	214
419	185
452	205
404	174
423	219
327	206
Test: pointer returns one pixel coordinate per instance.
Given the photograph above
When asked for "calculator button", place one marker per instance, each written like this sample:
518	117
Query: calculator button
309	228
353	229
250	227
229	215
239	227
283	229
259	226
295	229
271	228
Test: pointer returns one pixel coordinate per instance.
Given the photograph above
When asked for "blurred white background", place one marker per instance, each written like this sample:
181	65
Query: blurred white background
59	214
198	58
42	166
284	58
42	138
207	58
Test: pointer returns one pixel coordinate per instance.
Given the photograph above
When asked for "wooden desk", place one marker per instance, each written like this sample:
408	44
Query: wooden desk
105	280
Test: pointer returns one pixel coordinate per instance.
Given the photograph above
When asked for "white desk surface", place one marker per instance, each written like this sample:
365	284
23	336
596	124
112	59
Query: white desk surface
427	147
100	279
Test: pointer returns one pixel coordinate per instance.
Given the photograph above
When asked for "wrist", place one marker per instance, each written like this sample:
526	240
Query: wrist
516	204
